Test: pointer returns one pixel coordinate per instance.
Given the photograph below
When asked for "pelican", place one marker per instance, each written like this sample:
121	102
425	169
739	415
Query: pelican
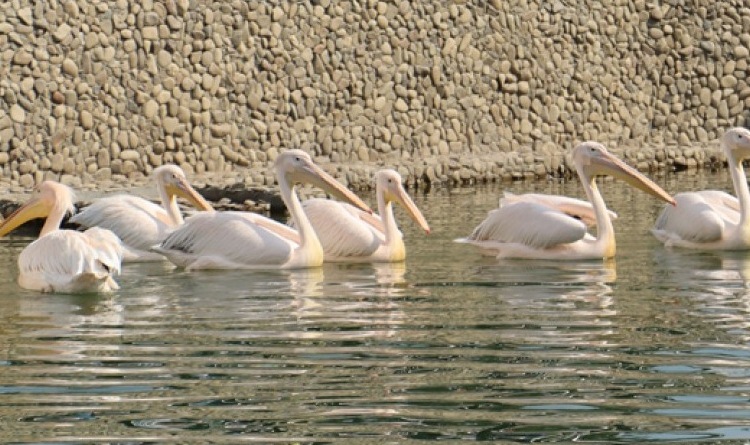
140	223
577	208
535	230
242	240
349	234
712	219
64	261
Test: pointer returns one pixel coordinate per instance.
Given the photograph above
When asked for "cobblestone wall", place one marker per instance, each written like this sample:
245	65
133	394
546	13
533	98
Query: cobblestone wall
448	91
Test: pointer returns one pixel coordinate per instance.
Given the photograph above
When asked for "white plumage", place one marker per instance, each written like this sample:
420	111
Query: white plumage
64	260
712	219
348	234
577	208
232	240
543	227
140	223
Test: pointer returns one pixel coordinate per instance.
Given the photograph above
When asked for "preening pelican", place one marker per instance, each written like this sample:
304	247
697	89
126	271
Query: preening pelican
349	234
140	223
64	261
533	229
242	240
712	219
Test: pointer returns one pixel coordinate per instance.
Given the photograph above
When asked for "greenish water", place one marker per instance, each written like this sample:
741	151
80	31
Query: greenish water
451	346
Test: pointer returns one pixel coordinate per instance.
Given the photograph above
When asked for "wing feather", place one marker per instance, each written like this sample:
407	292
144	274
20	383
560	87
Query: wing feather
529	223
342	229
65	260
228	238
699	217
138	222
577	208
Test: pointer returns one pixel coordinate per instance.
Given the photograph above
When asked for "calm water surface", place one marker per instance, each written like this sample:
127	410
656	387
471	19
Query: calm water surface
652	347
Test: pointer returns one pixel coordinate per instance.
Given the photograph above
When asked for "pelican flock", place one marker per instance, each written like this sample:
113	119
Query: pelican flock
528	226
140	223
349	234
64	261
541	229
243	240
712	219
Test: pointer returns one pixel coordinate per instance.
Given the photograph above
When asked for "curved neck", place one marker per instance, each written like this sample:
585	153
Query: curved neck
740	186
385	210
53	221
605	231
307	236
169	203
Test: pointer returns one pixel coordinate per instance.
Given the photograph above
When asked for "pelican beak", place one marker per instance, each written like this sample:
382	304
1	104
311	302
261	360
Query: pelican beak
184	190
312	174
611	165
35	208
399	195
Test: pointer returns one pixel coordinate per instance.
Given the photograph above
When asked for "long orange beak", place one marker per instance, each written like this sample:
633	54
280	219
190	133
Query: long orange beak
398	194
610	164
184	190
316	176
35	208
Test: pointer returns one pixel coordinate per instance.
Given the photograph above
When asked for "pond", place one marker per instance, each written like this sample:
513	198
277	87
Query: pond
452	346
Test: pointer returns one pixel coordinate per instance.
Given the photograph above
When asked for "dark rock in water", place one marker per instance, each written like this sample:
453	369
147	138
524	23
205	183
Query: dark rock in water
238	195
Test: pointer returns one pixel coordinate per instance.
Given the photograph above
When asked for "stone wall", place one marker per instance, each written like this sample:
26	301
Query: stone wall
448	91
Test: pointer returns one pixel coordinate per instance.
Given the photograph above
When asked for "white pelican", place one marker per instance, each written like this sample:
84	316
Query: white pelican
532	229
574	207
242	240
64	261
712	219
140	223
349	234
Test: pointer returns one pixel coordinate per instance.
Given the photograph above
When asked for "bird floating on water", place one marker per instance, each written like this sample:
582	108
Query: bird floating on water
244	240
535	229
65	261
349	234
140	223
712	219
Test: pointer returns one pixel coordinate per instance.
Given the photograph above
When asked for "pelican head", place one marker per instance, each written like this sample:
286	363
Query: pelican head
391	186
295	166
736	143
173	181
592	159
50	199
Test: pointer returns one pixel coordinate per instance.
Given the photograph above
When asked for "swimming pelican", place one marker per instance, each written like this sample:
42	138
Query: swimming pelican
63	260
243	240
712	219
349	234
532	229
140	223
577	208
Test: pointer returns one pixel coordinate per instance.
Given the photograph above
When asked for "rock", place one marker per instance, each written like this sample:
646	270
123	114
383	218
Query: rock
70	68
17	114
62	33
23	58
87	120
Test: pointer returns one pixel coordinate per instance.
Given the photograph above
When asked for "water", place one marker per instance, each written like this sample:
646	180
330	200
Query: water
451	346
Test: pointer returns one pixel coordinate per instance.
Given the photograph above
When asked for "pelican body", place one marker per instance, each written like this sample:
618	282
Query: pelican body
64	261
243	240
547	228
140	223
350	235
712	219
